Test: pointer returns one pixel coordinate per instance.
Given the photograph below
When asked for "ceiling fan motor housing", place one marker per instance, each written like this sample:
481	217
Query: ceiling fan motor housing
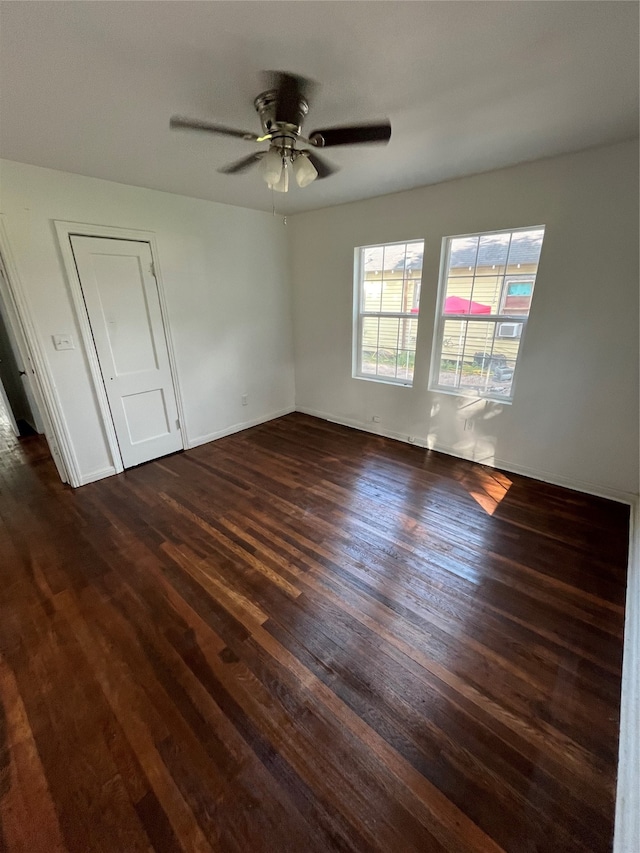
283	133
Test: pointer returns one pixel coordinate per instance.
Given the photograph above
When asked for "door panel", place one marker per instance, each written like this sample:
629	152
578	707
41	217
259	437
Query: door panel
146	415
123	306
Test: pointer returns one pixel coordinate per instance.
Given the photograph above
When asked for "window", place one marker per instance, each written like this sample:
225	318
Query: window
484	300
387	302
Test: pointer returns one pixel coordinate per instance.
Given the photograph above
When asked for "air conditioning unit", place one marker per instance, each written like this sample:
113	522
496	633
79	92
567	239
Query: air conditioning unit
509	330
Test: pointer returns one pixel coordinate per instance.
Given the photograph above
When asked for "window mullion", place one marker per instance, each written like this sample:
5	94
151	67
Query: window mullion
398	345
475	267
361	312
504	274
490	362
462	349
407	315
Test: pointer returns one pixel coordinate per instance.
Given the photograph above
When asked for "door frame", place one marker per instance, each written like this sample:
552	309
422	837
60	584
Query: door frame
24	330
65	230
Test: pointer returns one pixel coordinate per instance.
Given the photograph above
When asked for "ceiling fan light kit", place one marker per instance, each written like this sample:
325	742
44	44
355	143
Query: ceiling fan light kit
282	184
279	162
272	166
282	110
304	170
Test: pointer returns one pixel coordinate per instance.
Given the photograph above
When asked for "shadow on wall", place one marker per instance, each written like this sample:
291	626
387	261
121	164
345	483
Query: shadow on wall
464	427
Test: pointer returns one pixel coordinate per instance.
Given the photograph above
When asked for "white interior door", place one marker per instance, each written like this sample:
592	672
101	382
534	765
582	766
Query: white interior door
121	295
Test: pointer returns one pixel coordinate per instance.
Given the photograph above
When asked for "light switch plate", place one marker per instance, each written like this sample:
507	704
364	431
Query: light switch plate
63	342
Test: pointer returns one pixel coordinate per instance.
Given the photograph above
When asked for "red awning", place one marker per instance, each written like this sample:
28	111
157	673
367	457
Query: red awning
457	305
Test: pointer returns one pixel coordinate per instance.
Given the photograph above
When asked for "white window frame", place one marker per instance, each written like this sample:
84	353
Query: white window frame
436	350
359	314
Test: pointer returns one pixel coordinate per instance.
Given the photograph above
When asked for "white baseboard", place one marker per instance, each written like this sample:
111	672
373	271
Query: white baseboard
575	485
504	465
627	826
97	475
374	429
212	436
203	439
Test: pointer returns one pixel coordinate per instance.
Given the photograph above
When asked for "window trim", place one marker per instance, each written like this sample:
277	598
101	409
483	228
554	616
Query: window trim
440	318
358	315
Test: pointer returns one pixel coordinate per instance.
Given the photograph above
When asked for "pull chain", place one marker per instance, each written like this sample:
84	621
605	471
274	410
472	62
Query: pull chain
273	207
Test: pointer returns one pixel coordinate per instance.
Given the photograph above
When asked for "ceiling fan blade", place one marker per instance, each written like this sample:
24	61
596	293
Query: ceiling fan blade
322	167
182	123
354	135
242	165
290	89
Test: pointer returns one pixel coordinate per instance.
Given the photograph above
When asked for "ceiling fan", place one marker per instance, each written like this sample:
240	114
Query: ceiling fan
282	109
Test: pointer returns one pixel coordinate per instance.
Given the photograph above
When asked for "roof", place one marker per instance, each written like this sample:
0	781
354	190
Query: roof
519	247
524	248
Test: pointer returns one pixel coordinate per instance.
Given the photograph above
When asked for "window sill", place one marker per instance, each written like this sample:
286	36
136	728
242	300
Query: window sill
398	383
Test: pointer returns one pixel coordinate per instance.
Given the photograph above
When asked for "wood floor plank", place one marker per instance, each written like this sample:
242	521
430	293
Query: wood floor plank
23	784
305	638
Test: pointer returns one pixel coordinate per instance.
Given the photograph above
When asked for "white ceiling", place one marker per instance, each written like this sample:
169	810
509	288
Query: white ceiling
88	87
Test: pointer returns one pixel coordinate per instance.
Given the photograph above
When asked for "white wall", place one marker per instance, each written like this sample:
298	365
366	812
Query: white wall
574	419
227	290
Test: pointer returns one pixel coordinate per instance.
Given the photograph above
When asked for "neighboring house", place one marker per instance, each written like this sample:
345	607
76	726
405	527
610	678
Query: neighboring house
493	277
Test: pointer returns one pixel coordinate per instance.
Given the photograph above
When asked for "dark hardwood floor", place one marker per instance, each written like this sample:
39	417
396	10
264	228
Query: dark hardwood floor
304	638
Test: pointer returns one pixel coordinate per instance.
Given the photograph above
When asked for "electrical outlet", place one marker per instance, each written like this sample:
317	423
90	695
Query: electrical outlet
245	399
468	425
376	419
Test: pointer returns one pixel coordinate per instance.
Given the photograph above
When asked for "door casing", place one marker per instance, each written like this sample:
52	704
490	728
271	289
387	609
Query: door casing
28	342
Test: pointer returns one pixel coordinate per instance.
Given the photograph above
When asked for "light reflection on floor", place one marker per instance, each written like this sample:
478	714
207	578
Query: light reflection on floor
488	489
486	486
